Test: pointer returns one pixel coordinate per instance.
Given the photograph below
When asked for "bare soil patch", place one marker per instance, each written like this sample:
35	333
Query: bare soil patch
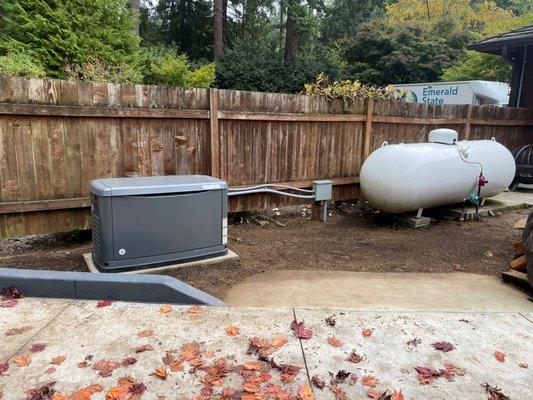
351	240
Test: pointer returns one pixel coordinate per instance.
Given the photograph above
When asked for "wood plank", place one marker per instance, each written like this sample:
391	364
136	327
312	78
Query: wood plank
294	117
516	277
214	134
418	121
100	112
519	263
519	249
44	205
367	135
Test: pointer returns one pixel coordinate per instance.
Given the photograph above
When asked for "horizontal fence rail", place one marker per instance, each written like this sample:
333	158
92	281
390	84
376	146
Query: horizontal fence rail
56	136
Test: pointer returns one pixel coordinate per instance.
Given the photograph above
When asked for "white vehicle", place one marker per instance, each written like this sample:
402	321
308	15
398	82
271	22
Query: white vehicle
463	92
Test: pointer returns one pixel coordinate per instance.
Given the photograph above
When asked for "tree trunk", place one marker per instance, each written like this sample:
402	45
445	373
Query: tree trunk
291	31
218	32
224	21
281	24
136	5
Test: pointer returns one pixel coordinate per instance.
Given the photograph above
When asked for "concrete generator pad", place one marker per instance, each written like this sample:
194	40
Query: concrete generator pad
80	331
384	291
230	256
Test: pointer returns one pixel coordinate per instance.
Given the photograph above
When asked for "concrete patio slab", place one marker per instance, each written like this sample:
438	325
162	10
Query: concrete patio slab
86	334
378	291
388	356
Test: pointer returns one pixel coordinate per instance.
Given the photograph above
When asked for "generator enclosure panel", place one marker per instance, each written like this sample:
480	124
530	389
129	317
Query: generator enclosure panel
157	220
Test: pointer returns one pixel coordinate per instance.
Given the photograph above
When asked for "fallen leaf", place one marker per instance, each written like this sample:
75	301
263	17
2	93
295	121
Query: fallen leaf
12	293
57	360
58	396
22	360
83	364
252	365
3	367
369	380
288	372
160	373
207	391
37	347
397	395
300	331
372	394
334	341
50	370
128	361
86	392
305	392
341	375
331	321
318	382
494	392
105	367
145	333
190	351
367	332
165	308
498	355
9	303
103	303
443	346
17	331
42	392
279	342
354	357
227	393
194	311
174	363
143	348
339	393
232	330
209	353
523	365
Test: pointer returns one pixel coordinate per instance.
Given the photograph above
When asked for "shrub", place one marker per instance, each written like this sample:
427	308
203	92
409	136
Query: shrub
176	71
21	64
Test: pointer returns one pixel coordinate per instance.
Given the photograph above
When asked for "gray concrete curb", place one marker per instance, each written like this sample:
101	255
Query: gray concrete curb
87	286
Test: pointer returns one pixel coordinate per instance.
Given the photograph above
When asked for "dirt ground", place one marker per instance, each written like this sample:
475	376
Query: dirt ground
351	240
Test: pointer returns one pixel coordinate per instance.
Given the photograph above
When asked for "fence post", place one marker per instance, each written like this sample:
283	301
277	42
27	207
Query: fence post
467	122
367	138
214	139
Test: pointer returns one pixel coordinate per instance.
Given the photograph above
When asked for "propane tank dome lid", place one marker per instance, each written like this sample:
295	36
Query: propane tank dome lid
443	135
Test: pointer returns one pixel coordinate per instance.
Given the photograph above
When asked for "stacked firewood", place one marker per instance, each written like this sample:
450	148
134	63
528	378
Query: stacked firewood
521	267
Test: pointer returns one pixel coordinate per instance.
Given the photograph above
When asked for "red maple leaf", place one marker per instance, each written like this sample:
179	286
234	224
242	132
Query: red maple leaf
443	346
103	303
300	331
3	367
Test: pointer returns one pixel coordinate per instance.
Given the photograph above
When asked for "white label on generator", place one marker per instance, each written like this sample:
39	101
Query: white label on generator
224	231
224	222
224	240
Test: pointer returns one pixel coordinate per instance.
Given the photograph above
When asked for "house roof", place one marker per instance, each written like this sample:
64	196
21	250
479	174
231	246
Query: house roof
516	38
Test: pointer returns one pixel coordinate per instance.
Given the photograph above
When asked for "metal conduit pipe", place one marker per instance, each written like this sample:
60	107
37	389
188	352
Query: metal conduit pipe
322	191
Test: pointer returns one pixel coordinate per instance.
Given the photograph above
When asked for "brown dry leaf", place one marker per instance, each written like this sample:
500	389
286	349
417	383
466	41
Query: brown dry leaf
305	392
372	394
369	380
190	351
56	396
165	308
57	360
194	310
367	332
37	347
339	393
105	367
143	348
128	361
498	355
252	366
3	367
334	341
354	357
174	363
22	360
160	373
232	330
279	342
86	392
145	333
397	395
318	382
523	365
209	353
50	370
83	364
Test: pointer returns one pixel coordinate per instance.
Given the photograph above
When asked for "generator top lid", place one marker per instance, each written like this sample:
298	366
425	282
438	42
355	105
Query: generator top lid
155	185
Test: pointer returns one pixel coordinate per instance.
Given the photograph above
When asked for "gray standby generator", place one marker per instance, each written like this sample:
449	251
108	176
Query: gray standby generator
156	220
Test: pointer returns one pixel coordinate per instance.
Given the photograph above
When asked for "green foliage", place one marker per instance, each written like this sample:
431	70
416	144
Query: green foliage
67	35
247	66
21	64
175	71
382	54
349	90
479	66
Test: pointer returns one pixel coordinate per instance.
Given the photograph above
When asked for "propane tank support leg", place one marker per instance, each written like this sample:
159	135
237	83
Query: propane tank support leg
419	213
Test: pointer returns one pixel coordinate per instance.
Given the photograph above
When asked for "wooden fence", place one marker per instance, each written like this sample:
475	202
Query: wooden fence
56	136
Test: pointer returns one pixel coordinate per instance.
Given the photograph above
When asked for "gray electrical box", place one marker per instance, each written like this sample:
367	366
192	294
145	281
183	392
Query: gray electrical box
148	221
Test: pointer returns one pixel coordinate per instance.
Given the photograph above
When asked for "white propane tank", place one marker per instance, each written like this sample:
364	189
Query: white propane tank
401	178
